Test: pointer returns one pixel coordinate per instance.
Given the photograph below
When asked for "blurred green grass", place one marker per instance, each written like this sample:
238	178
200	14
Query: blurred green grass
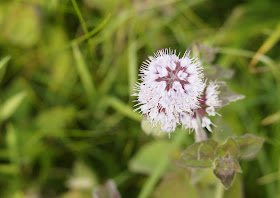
67	69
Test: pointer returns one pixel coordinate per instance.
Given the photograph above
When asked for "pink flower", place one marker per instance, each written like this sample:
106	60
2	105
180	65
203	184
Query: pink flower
170	88
209	103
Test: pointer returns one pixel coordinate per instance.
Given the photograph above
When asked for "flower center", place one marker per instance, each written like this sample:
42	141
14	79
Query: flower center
172	76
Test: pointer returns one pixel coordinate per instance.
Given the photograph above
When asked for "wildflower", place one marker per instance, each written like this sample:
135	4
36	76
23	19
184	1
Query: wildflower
170	89
209	103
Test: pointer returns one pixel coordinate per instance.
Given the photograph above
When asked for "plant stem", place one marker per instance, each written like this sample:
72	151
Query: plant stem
156	175
200	133
219	190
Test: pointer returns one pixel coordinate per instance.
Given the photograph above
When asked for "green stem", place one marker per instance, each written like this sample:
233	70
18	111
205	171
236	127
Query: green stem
162	165
219	190
80	16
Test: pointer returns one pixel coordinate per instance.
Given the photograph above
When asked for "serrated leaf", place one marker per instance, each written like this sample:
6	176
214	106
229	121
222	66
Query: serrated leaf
227	96
249	145
147	158
225	169
198	155
230	148
175	186
108	190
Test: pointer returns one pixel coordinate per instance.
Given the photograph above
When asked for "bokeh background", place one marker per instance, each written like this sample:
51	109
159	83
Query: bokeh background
67	71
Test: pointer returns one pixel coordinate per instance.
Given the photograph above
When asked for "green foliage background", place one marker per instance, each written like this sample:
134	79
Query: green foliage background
67	69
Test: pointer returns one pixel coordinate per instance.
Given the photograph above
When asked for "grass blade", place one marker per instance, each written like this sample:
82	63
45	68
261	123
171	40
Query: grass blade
92	32
79	14
122	108
132	66
266	46
83	72
11	105
3	64
246	53
271	119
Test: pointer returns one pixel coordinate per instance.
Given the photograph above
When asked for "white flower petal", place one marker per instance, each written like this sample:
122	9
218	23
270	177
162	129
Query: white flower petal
171	87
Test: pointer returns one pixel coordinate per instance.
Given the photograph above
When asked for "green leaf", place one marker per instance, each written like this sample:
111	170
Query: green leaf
198	155
202	176
175	186
249	145
229	147
11	105
225	169
226	181
148	157
84	73
226	165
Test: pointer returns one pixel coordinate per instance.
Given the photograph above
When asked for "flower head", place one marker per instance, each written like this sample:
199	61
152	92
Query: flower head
209	103
170	88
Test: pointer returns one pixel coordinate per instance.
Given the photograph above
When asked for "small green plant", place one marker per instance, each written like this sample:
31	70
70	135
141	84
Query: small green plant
222	158
178	91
